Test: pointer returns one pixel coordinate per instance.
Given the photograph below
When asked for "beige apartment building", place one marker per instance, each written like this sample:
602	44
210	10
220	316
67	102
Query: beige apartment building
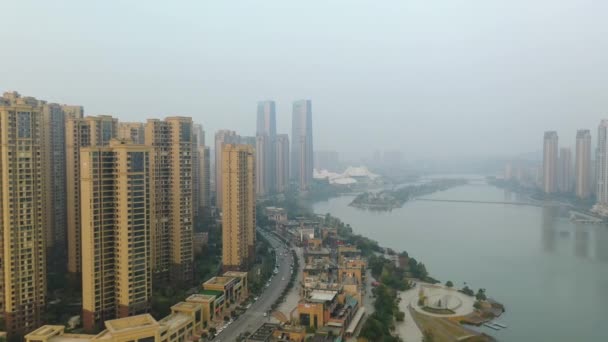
91	131
172	169
238	215
134	131
198	142
282	163
222	137
22	242
54	117
116	208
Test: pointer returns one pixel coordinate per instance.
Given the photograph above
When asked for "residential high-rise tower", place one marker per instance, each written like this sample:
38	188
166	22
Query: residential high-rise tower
23	238
81	132
266	148
222	137
601	165
238	213
54	117
172	141
582	168
117	218
550	162
134	131
302	144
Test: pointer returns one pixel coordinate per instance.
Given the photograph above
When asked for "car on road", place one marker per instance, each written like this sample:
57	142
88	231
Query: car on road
265	314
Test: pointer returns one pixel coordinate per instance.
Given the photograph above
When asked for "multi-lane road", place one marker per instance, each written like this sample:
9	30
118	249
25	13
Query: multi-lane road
255	316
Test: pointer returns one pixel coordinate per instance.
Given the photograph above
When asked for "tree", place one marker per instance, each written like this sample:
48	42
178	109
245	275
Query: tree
212	331
449	284
481	294
400	316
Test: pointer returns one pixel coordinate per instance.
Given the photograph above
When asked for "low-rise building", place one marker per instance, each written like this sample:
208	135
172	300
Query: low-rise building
185	323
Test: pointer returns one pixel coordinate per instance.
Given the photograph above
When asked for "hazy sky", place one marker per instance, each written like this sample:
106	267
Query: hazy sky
431	78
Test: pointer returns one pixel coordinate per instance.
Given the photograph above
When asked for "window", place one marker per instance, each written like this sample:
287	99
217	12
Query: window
24	124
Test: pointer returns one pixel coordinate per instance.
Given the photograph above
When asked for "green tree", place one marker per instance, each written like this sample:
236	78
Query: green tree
449	284
481	294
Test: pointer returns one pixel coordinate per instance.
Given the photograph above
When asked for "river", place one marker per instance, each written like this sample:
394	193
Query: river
551	273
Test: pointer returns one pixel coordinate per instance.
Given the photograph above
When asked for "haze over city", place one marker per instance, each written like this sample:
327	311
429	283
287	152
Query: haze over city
432	79
319	171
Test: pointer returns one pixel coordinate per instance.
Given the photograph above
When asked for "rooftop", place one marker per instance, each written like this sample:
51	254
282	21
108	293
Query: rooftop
174	321
235	274
201	297
219	281
322	296
185	306
133	322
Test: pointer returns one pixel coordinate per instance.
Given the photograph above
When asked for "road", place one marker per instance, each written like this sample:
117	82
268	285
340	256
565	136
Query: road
253	318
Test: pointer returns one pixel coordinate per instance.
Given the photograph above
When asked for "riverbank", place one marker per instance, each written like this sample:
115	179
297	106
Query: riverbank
397	275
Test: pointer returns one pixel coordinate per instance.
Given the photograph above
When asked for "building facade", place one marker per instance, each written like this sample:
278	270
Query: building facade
172	168
197	157
23	238
222	137
134	131
117	217
91	131
282	163
302	144
550	146
601	165
204	155
54	117
238	216
266	135
582	168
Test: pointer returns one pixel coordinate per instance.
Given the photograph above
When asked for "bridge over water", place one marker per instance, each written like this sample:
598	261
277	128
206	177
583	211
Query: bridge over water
484	202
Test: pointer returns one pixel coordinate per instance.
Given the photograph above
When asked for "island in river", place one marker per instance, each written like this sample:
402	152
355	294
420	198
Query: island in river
386	200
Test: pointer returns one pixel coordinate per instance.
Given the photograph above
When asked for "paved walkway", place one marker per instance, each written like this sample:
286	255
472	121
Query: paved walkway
408	330
438	291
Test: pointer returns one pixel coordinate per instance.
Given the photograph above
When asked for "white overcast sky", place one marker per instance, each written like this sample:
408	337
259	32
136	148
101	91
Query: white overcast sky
431	78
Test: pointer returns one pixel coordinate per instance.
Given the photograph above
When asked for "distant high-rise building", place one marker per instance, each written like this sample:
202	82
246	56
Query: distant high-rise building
23	239
199	140
91	131
134	131
564	170
282	163
302	144
601	161
204	162
54	119
583	163
266	148
262	161
172	168
550	162
222	137
238	213
117	219
327	160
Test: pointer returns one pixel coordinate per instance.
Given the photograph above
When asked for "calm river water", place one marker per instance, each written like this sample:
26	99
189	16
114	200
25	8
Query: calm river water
551	273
